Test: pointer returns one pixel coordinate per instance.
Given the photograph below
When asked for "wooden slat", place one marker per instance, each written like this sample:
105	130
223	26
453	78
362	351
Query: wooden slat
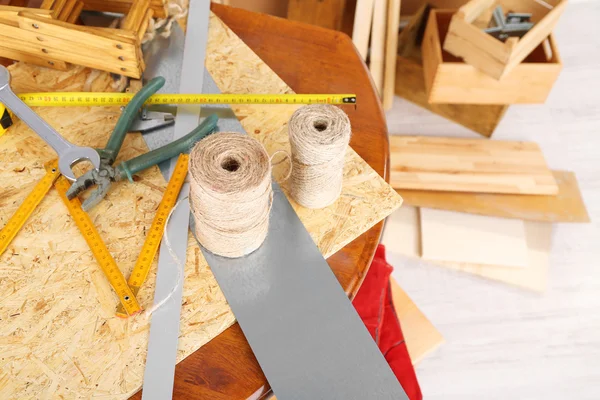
19	55
469	165
566	206
146	21
391	51
47	4
377	57
65	12
363	18
135	16
57	8
72	44
74	16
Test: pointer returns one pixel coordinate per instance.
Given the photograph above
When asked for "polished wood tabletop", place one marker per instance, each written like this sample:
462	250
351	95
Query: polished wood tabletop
310	60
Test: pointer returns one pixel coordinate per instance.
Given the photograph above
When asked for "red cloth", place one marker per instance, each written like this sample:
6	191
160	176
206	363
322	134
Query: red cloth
373	303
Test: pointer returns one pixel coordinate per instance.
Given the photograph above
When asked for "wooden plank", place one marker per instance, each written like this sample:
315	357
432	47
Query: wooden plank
65	12
469	165
324	13
361	32
391	50
135	16
472	239
402	236
566	206
19	55
57	8
421	337
74	16
47	4
74	44
145	22
51	257
534	277
377	57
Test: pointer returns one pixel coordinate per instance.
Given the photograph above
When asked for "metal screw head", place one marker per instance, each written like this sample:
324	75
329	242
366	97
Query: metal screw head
36	26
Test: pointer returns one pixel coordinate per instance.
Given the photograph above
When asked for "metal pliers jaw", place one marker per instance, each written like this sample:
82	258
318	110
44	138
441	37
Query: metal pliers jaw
102	178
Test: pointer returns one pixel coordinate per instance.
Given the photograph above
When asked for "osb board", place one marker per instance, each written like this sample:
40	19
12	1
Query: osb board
58	332
566	206
469	165
419	333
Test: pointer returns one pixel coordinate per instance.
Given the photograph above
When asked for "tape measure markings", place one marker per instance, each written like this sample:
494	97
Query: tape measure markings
150	248
65	99
99	249
33	199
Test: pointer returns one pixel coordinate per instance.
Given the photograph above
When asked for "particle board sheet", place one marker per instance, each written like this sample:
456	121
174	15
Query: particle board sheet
566	206
421	336
475	239
59	334
469	165
402	236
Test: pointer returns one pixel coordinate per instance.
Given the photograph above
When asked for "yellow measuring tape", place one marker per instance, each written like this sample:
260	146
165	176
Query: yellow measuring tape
16	222
65	99
103	257
155	234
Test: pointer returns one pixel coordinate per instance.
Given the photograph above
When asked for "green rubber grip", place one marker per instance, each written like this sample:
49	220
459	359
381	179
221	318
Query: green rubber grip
182	145
127	117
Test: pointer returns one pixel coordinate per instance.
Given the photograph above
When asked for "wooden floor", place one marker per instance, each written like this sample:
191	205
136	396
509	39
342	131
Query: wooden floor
504	343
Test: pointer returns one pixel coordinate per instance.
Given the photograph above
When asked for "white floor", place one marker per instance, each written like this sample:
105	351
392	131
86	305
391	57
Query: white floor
505	343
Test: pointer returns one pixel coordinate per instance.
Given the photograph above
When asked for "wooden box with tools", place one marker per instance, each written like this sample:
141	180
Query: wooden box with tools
493	56
450	80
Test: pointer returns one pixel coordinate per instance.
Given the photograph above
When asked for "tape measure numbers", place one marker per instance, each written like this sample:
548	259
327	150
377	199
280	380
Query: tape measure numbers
33	199
101	253
150	248
65	99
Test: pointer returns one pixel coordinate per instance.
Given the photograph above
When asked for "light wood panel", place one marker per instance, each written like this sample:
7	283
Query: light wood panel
391	50
469	165
58	280
402	236
421	336
361	31
472	239
566	206
377	55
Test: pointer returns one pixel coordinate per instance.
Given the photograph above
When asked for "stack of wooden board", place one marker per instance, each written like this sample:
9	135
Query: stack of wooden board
376	25
487	207
48	36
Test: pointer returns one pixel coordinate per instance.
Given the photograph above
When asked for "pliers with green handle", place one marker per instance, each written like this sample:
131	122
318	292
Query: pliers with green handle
106	174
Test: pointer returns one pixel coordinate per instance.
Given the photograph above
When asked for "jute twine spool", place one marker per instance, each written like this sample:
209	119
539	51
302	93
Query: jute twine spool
319	136
230	193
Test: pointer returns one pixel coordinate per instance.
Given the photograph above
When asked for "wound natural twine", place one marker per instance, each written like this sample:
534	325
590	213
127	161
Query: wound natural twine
319	136
230	193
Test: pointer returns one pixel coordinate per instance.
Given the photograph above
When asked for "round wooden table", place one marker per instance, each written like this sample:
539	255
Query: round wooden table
310	60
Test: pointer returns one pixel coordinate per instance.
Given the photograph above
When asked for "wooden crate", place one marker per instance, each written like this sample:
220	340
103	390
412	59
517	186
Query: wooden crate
496	58
450	80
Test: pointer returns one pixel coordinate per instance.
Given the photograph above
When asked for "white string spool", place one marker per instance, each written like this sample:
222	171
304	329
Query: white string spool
230	193
319	136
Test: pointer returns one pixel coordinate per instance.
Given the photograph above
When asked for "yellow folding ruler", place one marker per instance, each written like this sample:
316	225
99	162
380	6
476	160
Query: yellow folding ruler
65	99
155	234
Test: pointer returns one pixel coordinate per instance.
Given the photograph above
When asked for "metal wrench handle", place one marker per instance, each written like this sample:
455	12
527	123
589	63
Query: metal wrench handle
68	153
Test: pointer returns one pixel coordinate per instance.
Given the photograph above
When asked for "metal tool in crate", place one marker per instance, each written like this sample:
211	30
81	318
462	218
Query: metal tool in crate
513	25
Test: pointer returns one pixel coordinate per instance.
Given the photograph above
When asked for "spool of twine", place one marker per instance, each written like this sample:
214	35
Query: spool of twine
230	193
319	136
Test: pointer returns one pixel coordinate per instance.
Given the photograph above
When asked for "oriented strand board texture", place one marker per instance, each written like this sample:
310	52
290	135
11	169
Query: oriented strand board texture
58	333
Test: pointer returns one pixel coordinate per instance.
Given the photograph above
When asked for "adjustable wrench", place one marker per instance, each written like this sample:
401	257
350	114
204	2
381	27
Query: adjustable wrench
68	153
